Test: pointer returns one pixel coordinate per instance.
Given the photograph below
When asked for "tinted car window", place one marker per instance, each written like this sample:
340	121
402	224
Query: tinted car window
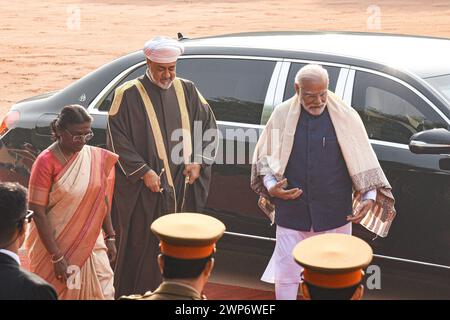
86	89
235	88
333	75
106	103
441	84
389	110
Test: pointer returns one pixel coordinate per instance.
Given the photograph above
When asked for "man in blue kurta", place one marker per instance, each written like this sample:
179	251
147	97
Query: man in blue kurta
309	180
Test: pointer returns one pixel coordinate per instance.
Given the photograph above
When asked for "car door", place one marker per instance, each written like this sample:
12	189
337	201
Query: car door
285	90
240	91
392	111
100	105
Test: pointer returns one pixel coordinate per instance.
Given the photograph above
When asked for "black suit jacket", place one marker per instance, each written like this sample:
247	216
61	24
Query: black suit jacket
18	284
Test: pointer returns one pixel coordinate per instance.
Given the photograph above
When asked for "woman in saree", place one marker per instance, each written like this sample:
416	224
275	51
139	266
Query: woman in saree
70	192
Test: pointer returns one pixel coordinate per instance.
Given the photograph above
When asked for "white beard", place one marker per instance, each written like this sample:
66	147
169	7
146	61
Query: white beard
159	84
164	86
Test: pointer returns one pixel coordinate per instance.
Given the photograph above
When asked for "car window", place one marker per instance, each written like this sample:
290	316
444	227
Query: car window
106	103
389	110
333	75
235	88
441	84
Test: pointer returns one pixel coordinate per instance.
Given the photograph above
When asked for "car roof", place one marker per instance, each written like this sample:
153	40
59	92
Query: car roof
423	56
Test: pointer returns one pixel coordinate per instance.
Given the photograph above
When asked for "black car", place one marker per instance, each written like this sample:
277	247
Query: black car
400	85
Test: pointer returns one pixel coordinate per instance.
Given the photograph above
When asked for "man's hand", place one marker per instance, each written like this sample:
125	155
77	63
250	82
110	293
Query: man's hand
278	191
152	181
360	211
192	171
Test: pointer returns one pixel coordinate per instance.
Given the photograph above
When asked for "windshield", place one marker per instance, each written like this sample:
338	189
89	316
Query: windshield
441	84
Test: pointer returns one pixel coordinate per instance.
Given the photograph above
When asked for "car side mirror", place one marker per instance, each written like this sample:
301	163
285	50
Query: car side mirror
434	141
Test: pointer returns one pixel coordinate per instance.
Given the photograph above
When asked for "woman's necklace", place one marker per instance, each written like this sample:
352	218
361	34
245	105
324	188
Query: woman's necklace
62	153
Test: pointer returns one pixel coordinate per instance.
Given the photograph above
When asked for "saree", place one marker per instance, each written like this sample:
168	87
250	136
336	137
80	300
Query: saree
77	199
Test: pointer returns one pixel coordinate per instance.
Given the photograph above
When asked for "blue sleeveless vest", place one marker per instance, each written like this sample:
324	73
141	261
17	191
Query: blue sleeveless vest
316	166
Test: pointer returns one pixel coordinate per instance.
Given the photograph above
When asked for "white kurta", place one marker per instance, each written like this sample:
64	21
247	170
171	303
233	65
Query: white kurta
282	267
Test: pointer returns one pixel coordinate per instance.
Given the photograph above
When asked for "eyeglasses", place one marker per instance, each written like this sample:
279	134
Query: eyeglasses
311	96
82	137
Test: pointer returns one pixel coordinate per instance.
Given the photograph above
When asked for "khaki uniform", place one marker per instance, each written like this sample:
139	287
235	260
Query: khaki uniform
183	236
169	290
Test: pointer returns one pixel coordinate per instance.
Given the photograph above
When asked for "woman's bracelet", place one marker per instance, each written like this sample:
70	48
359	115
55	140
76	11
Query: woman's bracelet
110	237
57	253
58	260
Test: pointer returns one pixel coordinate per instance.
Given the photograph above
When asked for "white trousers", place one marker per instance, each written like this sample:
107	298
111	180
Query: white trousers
282	268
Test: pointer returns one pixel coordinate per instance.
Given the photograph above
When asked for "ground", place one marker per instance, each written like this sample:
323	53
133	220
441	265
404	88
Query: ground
46	45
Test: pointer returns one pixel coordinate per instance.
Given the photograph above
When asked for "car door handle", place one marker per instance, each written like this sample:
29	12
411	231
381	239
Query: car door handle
444	164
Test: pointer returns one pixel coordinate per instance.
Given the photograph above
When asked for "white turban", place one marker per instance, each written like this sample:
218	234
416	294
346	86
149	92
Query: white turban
163	49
